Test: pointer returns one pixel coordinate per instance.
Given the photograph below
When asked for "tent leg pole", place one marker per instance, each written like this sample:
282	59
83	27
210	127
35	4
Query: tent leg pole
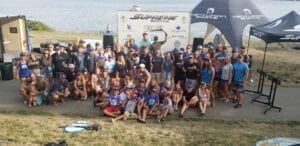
263	63
248	44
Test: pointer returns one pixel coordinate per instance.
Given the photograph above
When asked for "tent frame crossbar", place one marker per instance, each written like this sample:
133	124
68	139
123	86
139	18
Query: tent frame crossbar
261	82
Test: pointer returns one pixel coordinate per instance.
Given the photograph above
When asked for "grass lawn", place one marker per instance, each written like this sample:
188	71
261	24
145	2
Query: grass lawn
33	129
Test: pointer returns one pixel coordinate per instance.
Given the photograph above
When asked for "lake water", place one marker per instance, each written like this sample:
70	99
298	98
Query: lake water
94	15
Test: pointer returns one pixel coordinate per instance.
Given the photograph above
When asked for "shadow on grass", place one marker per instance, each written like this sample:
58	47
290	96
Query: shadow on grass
27	112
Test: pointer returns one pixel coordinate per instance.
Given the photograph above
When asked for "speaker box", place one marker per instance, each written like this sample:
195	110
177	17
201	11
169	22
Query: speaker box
197	42
108	40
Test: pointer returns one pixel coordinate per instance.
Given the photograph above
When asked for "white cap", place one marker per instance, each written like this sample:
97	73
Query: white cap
142	65
71	66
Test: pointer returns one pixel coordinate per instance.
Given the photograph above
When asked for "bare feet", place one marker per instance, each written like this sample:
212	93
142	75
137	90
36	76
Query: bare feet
113	120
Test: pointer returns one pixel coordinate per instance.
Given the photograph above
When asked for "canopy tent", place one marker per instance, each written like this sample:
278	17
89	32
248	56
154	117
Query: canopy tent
229	16
283	29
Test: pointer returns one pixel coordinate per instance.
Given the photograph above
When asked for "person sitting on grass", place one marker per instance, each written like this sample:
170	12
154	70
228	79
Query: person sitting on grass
203	94
33	95
88	84
126	93
129	109
166	107
59	89
189	98
102	88
79	87
150	105
113	109
167	87
177	95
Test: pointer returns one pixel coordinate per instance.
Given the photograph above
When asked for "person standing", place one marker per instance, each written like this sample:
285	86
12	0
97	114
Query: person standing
145	58
80	59
156	66
191	69
167	67
144	43
35	66
121	66
240	76
58	62
179	74
248	60
156	45
23	68
47	68
207	76
90	60
226	78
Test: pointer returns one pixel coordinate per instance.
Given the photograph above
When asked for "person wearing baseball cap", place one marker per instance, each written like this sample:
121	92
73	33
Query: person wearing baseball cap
90	59
156	66
151	103
179	72
189	98
23	68
143	74
207	76
239	80
156	45
59	89
191	70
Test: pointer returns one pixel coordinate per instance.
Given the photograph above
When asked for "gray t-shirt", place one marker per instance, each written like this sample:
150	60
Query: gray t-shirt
225	71
130	106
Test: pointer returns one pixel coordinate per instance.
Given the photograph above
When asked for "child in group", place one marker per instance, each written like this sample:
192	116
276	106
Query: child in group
177	95
113	109
203	95
165	108
129	109
140	98
150	105
24	90
33	95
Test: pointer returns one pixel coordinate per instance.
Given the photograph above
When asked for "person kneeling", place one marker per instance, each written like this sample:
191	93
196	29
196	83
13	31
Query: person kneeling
59	89
113	109
129	109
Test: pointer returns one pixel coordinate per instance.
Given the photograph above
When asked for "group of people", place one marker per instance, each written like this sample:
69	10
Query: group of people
134	80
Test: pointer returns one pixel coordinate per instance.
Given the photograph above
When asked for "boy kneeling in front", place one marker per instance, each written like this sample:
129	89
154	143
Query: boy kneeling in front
59	89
